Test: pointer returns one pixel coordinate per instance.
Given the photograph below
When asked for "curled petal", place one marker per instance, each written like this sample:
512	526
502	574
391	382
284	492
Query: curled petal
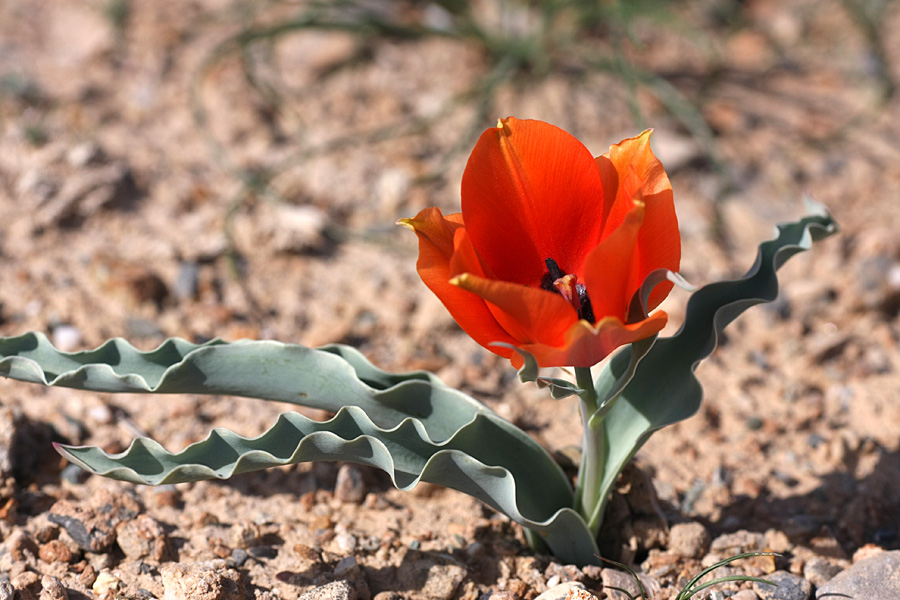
528	314
585	345
436	248
610	272
628	170
465	257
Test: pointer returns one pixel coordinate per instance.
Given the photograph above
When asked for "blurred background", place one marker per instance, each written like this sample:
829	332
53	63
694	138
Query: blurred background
224	139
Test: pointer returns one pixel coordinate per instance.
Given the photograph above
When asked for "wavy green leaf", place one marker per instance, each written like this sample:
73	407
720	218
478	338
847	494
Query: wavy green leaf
530	373
326	378
664	389
405	453
410	425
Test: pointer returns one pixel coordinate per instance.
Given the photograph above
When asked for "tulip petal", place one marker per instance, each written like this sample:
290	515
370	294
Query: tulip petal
436	249
659	242
530	192
529	314
465	257
609	269
585	344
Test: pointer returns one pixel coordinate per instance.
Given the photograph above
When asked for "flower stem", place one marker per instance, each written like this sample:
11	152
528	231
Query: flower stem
590	471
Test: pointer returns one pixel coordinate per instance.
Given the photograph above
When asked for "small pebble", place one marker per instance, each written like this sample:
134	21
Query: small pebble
143	537
336	590
306	553
137	327
90	530
873	578
19	545
345	565
55	551
74	474
801	526
102	414
593	572
498	595
211	580
349	570
777	541
245	534
867	551
297	228
738	542
105	582
621	579
560	591
26	582
88	576
83	154
263	551
166	496
370	543
787	587
321	522
239	556
819	571
434	577
67	338
475	551
52	589
346	542
349	486
102	561
689	540
442	581
46	532
563	573
186	282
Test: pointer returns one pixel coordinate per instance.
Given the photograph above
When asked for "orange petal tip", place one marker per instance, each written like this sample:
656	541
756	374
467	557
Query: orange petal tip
406	222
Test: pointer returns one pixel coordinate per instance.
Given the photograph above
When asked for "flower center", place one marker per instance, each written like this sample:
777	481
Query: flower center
555	280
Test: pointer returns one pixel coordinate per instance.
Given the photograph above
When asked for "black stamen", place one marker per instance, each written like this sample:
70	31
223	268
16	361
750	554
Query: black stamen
587	310
553	273
547	283
553	269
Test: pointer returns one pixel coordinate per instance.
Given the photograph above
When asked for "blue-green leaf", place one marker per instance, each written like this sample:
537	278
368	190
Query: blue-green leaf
663	389
326	378
410	425
405	453
530	373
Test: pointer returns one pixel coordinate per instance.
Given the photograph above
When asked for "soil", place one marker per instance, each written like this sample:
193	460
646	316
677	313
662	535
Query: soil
157	180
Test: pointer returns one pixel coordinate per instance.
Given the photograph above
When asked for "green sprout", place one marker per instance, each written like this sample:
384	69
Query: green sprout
694	586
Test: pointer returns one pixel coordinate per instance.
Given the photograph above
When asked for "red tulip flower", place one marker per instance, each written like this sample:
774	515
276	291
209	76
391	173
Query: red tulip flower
552	244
